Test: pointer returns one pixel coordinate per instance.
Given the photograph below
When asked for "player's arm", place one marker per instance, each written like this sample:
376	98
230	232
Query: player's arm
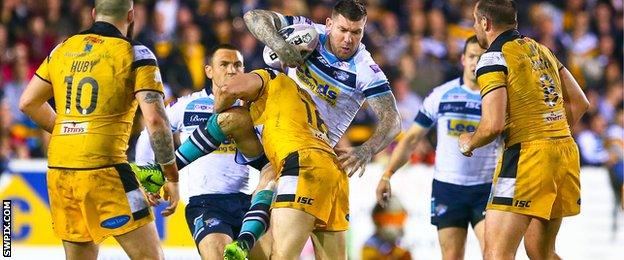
245	86
399	157
33	103
161	138
264	25
492	123
574	100
388	127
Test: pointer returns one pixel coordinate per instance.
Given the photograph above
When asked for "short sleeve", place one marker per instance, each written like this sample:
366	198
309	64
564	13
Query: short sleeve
491	72
175	113
43	71
146	72
373	81
266	75
428	114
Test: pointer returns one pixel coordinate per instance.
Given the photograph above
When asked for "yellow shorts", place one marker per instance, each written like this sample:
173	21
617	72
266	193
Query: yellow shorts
538	178
90	205
312	181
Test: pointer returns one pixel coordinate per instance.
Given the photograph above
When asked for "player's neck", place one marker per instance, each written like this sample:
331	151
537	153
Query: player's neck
469	83
120	25
491	37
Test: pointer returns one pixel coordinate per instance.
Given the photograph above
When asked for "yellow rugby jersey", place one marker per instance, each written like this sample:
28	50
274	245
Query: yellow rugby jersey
530	72
288	117
94	76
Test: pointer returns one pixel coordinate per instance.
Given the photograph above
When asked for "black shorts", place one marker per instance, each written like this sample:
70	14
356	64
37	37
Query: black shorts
216	213
457	205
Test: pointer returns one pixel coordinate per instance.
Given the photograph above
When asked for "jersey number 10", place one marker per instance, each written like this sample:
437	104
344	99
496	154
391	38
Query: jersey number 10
94	95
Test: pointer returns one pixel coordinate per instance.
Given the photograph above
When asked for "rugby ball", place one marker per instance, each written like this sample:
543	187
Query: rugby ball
296	34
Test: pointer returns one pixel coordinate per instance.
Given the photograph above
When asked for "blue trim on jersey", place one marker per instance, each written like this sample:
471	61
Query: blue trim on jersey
380	94
376	90
423	120
289	19
346	77
458	107
329	80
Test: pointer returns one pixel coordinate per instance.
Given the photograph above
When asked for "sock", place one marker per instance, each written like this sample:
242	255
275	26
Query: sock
204	140
256	221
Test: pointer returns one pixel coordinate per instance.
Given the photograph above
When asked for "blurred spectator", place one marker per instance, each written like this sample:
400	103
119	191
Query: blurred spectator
408	103
384	243
591	142
419	39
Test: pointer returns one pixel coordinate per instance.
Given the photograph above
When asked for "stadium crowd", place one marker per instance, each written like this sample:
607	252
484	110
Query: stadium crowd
417	43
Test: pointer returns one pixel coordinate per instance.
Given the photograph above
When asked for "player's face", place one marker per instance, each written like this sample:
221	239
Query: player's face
225	64
470	58
344	35
480	24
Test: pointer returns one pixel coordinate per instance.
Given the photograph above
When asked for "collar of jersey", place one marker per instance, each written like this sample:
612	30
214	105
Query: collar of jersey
104	29
509	35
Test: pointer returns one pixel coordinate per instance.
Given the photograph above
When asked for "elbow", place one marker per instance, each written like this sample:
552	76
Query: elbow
155	122
496	130
25	105
584	105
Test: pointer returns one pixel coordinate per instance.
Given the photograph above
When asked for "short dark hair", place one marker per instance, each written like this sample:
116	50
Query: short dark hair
501	12
220	46
353	10
471	39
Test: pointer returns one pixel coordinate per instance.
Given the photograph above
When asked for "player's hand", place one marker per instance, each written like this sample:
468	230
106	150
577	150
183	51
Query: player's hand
290	55
464	141
354	159
172	194
384	190
152	198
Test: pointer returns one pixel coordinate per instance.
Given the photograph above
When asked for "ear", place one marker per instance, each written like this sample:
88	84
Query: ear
462	59
487	24
93	14
130	17
328	23
208	71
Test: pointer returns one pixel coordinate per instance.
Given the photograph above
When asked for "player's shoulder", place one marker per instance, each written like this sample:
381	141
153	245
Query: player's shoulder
439	91
365	67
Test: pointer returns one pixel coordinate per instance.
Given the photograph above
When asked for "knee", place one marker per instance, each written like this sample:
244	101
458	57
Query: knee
233	119
212	248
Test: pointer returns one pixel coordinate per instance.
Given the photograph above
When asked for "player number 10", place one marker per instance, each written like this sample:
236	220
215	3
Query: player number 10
94	95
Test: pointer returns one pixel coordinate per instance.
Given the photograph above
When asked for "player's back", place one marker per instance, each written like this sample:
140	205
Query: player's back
288	116
93	75
530	72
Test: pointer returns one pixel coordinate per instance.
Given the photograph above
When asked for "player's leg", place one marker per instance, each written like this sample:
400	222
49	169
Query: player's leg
330	245
142	243
234	123
539	240
479	230
503	233
262	249
211	246
80	250
290	229
479	199
452	242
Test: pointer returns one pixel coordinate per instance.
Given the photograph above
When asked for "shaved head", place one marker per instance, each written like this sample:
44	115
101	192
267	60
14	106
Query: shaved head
116	9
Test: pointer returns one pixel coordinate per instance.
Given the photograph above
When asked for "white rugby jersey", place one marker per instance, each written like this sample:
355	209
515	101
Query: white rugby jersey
215	173
457	109
338	87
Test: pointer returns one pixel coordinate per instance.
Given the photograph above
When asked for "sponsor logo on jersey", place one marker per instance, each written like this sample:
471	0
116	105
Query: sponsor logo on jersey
195	118
72	128
375	68
456	127
553	116
115	222
319	87
211	222
341	75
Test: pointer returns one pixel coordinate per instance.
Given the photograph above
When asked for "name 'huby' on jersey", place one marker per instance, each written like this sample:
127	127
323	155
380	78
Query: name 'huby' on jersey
338	87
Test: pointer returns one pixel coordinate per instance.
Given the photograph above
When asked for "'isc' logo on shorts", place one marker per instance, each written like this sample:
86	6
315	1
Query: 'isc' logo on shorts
522	203
305	200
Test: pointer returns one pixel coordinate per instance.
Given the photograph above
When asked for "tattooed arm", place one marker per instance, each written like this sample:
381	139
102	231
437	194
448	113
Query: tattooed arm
161	138
264	25
388	127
